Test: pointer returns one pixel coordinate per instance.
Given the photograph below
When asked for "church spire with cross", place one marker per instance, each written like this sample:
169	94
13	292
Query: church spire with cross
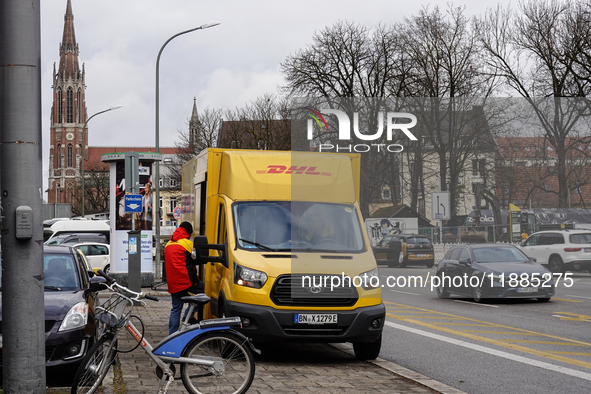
68	115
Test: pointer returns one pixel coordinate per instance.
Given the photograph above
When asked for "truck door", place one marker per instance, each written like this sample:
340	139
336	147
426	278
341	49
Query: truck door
219	271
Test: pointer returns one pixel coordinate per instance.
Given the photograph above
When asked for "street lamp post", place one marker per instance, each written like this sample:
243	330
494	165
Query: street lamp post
82	152
157	166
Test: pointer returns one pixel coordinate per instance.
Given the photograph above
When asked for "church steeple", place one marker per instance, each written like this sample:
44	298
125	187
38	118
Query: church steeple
68	115
194	126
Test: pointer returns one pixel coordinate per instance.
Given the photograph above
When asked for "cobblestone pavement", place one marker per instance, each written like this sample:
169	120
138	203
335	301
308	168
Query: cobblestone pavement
284	368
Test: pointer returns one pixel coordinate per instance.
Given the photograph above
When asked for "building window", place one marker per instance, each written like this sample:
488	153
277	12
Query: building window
70	155
160	183
506	189
520	163
173	182
234	144
60	106
59	157
262	145
160	202
546	186
168	160
79	106
386	194
577	188
474	187
478	167
70	106
172	204
173	223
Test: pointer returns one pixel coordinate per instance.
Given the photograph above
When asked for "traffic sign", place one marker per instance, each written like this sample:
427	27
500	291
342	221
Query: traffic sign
177	213
133	203
440	208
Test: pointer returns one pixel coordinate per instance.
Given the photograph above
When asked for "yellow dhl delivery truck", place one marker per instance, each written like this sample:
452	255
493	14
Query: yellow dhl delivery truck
281	240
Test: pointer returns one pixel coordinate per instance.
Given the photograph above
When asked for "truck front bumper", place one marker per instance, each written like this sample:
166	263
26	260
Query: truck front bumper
267	324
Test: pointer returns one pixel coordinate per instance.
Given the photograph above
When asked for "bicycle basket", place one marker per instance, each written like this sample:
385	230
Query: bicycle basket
115	311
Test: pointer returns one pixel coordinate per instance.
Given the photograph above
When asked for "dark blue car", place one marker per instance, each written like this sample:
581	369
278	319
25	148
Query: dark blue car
492	271
70	295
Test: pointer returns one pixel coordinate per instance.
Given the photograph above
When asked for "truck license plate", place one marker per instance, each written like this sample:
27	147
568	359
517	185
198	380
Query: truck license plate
421	255
527	289
315	318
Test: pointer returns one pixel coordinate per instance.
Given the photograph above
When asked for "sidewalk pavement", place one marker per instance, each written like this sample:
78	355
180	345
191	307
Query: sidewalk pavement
286	368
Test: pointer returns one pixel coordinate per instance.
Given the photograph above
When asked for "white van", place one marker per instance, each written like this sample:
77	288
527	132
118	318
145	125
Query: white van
77	227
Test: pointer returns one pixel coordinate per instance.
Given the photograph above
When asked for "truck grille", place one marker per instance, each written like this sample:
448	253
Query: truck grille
288	291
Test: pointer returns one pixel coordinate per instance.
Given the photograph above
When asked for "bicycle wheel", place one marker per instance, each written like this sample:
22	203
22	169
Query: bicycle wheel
95	365
237	359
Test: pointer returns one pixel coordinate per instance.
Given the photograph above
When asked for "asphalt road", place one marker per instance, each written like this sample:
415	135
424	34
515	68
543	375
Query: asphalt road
518	346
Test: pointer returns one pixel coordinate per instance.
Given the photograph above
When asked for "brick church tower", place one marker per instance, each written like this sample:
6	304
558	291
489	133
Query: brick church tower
68	115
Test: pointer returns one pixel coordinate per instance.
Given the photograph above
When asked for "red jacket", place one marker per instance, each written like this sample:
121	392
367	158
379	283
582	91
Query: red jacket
181	271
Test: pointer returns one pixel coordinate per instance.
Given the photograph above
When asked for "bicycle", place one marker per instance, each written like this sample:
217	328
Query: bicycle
212	356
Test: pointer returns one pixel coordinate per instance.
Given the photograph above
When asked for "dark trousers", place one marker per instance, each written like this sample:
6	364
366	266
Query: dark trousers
177	306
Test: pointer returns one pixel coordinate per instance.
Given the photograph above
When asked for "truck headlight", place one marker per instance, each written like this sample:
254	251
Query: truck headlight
370	279
76	317
248	277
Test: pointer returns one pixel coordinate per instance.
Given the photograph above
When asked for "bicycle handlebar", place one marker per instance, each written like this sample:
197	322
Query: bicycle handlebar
114	286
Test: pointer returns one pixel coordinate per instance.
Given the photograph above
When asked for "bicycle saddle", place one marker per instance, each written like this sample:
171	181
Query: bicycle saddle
197	299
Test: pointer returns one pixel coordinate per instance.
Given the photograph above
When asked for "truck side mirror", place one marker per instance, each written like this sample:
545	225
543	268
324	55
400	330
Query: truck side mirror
202	248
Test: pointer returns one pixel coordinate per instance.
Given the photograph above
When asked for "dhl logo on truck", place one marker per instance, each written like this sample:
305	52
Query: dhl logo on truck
305	170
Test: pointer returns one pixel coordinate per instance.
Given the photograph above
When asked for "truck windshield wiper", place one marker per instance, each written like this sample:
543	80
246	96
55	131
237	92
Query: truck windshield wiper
258	245
53	288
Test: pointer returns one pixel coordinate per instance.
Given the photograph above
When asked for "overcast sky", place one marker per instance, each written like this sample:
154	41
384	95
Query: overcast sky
222	67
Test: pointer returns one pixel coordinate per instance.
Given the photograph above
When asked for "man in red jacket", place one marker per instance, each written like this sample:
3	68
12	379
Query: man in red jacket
181	272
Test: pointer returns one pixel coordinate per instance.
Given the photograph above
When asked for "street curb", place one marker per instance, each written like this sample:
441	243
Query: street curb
404	372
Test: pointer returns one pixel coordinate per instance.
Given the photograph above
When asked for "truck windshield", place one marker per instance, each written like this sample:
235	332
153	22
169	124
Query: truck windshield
294	225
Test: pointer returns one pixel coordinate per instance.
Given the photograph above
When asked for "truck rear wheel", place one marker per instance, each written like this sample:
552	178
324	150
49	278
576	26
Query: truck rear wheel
368	350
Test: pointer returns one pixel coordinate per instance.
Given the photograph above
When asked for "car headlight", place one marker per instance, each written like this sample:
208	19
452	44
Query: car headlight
77	317
370	279
248	277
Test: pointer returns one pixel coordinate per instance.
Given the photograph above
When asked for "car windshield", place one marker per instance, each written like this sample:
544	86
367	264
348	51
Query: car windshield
60	272
293	225
493	254
580	238
417	240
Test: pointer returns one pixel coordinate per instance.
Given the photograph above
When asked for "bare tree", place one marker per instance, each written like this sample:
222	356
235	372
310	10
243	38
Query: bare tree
534	53
201	133
447	73
96	190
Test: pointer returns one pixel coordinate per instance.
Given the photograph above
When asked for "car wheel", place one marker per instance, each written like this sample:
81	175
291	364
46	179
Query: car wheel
477	293
368	351
555	265
430	263
543	299
107	269
441	291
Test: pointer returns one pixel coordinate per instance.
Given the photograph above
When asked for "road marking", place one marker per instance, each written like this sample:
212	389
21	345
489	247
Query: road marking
474	303
539	342
564	299
573	316
588	298
497	332
494	352
571	353
467	324
406	292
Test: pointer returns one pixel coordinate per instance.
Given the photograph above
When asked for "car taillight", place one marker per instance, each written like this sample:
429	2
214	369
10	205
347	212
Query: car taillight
572	249
410	246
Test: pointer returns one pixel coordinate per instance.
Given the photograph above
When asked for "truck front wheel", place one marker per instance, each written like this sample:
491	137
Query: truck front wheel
368	350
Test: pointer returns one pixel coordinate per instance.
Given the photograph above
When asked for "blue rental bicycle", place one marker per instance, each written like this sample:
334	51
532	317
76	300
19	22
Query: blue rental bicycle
212	356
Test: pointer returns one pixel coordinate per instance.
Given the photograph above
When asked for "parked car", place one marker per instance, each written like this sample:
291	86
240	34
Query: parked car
97	254
72	239
400	250
70	295
560	250
485	271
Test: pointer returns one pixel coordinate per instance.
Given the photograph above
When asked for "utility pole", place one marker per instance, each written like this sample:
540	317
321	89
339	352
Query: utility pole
23	316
